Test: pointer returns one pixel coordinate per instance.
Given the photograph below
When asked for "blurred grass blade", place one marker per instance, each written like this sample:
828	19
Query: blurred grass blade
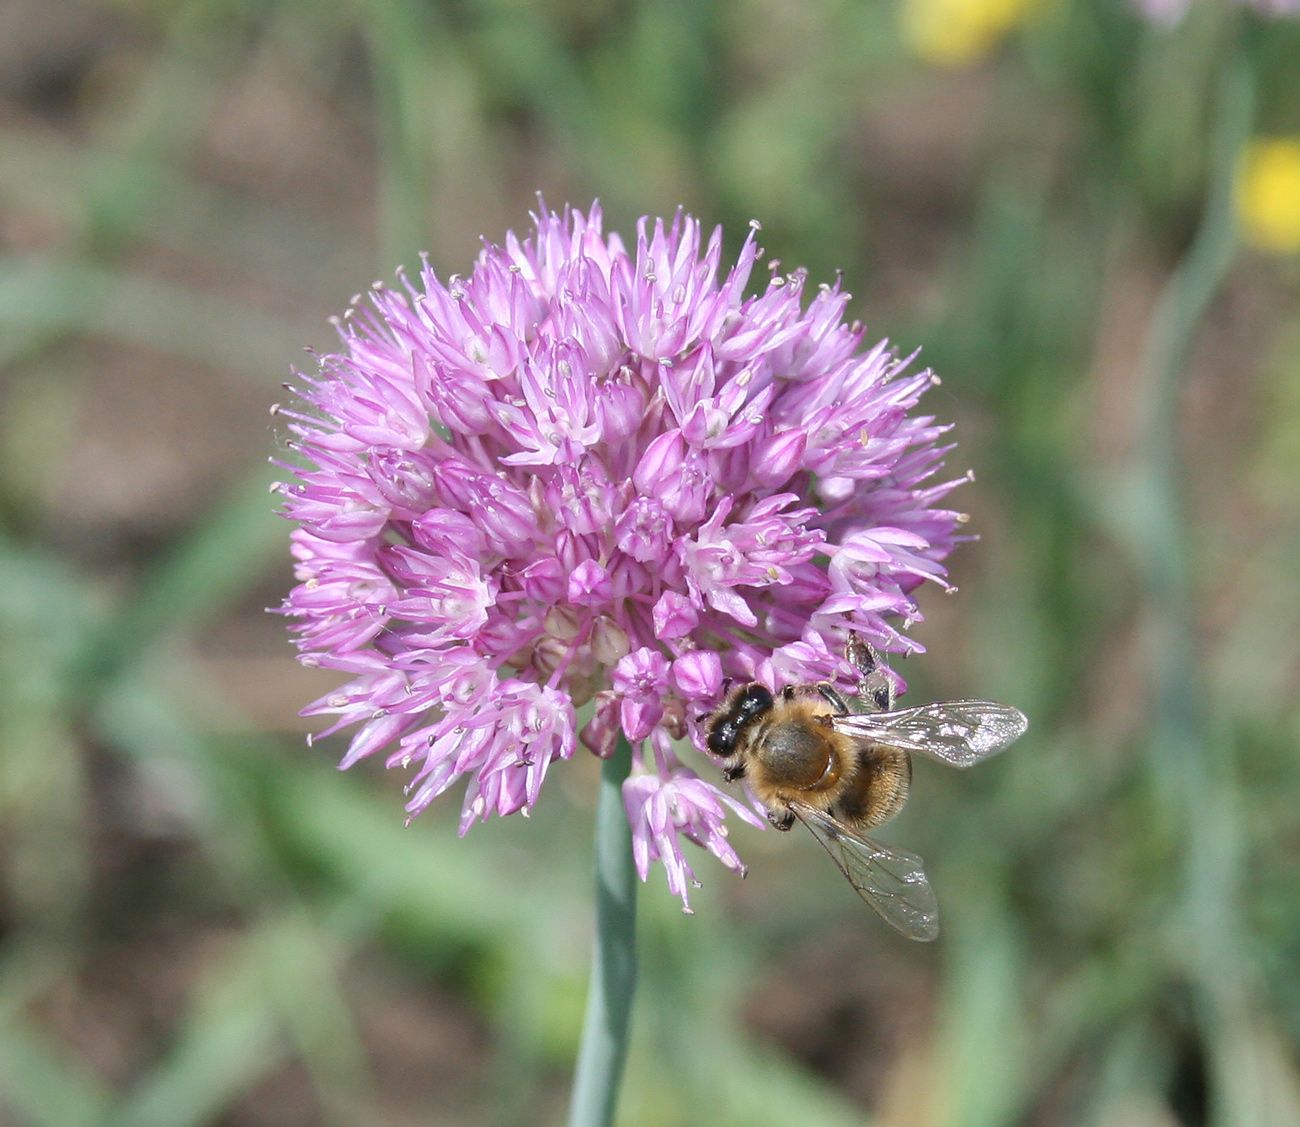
39	1080
983	1056
46	297
422	874
43	1085
405	50
163	119
230	1041
304	962
225	555
691	1060
198	786
1193	774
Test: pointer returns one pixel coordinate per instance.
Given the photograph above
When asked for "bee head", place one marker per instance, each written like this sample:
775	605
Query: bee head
737	712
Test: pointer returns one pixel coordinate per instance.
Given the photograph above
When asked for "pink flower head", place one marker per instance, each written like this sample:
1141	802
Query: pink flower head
588	474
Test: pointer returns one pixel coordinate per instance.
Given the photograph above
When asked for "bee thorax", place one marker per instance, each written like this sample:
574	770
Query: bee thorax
798	757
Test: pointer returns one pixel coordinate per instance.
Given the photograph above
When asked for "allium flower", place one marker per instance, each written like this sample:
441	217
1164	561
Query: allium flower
583	475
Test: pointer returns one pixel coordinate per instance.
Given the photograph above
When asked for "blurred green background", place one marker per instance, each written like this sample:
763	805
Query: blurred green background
201	922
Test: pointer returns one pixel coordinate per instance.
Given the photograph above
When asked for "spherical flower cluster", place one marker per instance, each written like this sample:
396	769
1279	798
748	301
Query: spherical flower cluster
587	477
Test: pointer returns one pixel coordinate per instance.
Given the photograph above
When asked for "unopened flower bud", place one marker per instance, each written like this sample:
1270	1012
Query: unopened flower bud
674	616
659	465
601	732
544	580
698	675
589	585
563	623
609	641
778	458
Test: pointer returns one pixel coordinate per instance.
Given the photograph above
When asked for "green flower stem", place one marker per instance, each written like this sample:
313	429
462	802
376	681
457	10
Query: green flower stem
1183	761
1192	775
1159	535
613	968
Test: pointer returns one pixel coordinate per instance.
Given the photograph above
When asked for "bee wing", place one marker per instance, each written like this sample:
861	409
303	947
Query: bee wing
892	881
960	733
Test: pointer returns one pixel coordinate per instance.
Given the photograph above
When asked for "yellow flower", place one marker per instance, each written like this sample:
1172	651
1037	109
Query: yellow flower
1268	195
956	33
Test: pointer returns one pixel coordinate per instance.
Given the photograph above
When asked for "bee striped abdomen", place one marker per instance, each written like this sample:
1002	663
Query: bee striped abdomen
879	787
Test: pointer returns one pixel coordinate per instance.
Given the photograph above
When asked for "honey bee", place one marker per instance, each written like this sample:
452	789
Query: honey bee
842	765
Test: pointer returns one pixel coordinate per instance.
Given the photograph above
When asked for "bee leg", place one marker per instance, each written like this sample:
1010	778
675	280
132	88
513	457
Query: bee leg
733	771
875	686
860	653
832	697
781	819
823	689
